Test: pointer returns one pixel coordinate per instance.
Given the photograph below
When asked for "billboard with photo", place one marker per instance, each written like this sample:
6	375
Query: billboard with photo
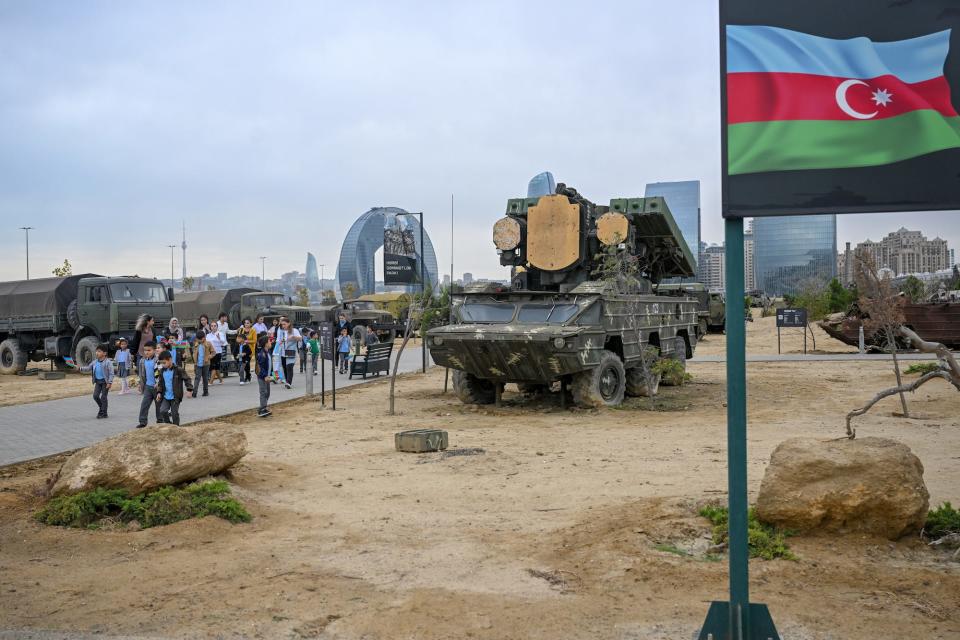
840	107
399	252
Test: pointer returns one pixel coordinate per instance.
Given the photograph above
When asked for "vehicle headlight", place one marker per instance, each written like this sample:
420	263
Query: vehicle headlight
438	341
559	342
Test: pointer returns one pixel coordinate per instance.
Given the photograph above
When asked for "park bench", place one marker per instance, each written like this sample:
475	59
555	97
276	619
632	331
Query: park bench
374	362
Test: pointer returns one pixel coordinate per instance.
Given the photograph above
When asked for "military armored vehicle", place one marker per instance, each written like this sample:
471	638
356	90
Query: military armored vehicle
53	318
568	318
239	303
362	313
712	310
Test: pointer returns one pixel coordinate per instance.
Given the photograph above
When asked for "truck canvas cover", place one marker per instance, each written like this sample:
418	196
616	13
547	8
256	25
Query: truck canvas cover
38	297
190	305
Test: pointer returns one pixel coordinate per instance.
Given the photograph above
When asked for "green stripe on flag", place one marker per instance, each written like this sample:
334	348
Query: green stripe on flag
784	145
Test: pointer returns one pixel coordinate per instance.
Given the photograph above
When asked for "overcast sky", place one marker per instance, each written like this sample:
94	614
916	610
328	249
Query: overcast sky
269	127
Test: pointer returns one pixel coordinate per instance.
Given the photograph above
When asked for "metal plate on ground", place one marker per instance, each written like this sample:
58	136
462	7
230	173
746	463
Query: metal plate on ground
421	440
51	375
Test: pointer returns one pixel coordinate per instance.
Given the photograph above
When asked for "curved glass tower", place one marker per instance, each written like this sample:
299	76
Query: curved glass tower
364	239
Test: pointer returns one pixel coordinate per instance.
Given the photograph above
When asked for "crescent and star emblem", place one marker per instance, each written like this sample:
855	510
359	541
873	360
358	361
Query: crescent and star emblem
881	97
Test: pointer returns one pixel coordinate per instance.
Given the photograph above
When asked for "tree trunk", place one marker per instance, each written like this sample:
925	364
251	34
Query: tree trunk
892	345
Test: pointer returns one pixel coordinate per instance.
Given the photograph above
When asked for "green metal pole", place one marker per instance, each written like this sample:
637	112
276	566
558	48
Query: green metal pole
737	431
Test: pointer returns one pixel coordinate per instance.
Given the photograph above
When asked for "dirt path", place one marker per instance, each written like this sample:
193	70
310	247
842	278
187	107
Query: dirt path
557	529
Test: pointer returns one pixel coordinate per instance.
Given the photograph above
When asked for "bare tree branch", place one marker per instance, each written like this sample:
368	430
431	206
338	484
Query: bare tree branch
851	432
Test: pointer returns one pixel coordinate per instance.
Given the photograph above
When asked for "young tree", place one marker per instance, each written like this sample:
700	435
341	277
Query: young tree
839	298
881	310
303	297
329	296
348	290
188	283
64	270
913	288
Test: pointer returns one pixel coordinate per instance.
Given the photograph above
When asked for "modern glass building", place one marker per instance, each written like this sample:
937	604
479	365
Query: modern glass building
683	198
790	252
364	239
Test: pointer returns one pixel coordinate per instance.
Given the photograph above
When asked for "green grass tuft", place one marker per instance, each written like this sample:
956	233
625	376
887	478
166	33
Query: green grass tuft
672	371
165	505
671	548
922	368
763	540
942	521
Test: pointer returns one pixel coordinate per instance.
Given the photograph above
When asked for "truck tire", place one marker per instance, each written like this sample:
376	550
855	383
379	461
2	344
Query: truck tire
86	351
473	390
12	358
233	316
601	386
73	315
702	328
680	355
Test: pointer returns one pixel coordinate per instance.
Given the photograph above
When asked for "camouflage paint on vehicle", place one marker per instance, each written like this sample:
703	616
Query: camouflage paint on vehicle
560	319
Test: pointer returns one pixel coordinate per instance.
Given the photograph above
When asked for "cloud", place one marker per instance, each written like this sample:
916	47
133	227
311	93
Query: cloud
269	129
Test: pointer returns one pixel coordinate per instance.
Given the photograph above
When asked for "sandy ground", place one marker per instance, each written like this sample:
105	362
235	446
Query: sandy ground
552	531
25	389
762	339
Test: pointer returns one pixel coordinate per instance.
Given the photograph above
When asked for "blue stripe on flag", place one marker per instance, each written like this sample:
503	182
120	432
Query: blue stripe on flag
771	50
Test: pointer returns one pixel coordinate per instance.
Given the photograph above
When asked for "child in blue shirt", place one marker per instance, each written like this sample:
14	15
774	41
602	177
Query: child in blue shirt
170	385
101	373
344	344
123	360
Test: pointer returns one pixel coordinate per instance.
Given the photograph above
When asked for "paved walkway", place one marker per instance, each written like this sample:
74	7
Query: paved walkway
39	429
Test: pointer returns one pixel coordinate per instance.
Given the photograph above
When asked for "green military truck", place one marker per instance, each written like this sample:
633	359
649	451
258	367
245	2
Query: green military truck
53	318
712	309
362	313
580	310
238	303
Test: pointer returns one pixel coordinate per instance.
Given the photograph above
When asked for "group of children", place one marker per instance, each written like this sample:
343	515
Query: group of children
162	379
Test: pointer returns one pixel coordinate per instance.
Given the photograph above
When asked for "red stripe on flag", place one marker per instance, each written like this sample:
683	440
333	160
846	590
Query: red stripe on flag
759	97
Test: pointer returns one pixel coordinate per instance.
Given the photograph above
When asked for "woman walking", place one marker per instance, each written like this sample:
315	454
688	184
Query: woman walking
246	347
143	333
288	339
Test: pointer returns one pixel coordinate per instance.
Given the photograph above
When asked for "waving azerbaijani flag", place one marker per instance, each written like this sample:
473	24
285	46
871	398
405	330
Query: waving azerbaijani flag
799	101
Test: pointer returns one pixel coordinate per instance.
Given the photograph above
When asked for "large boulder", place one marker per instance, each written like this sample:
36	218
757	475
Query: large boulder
144	459
869	485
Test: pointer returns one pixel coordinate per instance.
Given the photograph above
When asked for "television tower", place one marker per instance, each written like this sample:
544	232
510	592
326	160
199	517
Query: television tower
183	246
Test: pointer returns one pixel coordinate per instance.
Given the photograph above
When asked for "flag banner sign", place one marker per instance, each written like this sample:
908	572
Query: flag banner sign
840	107
399	252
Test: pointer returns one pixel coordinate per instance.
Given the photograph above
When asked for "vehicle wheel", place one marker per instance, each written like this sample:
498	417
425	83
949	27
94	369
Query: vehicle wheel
473	390
602	386
702	327
73	315
680	355
86	351
638	386
12	357
234	315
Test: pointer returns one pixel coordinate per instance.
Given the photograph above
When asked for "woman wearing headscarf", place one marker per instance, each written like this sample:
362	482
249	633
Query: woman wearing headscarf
175	330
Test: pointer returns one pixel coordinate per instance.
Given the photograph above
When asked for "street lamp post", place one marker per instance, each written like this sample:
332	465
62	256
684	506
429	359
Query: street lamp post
263	271
27	232
172	247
